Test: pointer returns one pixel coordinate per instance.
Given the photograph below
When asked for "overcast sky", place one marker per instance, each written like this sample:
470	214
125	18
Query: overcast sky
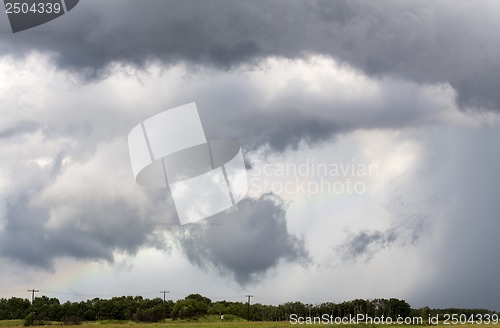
398	100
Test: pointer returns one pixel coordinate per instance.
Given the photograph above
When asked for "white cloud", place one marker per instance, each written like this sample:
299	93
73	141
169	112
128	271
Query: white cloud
63	147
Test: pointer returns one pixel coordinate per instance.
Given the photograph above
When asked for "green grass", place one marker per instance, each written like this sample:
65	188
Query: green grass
11	323
207	322
215	322
185	324
228	318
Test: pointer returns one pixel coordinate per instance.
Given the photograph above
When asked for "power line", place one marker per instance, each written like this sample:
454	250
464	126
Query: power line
248	306
33	291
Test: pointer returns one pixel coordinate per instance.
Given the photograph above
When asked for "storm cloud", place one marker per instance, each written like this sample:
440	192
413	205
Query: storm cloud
81	211
244	242
426	41
409	86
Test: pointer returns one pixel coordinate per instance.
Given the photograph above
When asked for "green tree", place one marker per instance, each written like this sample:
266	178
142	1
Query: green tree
189	308
199	298
30	319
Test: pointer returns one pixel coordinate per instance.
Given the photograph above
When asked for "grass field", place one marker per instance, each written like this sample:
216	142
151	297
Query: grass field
172	324
180	324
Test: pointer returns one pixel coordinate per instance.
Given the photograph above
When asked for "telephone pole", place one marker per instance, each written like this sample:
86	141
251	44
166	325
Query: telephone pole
248	306
164	292
33	291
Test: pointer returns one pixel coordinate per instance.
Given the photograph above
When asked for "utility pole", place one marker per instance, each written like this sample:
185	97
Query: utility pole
164	292
33	291
248	306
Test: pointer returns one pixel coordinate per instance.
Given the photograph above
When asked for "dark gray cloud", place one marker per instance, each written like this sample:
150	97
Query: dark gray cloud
89	207
109	228
22	234
425	41
258	116
55	211
244	242
283	128
96	234
365	244
411	42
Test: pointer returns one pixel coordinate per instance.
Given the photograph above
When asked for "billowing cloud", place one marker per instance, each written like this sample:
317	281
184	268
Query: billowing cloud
244	242
427	42
86	210
280	79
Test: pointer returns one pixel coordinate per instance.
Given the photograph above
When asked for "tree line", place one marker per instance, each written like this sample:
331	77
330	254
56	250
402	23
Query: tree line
45	309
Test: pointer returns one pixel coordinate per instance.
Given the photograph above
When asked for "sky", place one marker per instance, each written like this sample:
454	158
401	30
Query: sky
370	132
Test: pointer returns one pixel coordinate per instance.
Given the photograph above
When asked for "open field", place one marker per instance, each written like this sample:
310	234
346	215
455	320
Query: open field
177	324
171	324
